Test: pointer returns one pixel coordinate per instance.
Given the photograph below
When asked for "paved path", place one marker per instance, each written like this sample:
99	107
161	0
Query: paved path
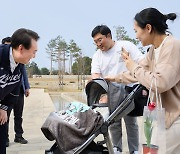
37	107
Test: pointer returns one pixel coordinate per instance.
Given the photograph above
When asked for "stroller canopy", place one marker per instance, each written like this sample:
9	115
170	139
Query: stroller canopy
94	89
116	92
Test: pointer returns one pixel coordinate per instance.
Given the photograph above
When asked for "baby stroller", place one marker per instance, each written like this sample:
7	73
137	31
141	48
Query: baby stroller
119	104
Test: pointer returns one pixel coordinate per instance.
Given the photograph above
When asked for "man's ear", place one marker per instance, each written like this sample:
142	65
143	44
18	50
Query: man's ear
149	28
20	48
109	35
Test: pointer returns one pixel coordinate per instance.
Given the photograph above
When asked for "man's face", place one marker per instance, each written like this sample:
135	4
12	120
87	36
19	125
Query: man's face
28	54
102	42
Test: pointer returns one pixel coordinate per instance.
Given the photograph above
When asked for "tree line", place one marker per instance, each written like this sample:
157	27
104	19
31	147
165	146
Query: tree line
61	53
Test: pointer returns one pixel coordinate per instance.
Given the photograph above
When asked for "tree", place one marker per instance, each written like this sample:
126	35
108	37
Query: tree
32	69
55	72
82	67
57	49
51	47
121	34
87	65
44	71
75	68
74	52
61	50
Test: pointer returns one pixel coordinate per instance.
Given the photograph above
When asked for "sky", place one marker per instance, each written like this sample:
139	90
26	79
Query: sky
75	19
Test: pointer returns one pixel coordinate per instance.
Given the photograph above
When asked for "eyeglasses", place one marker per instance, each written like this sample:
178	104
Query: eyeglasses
98	41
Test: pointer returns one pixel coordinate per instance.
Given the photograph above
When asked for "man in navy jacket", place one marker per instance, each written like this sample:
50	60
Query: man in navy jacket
18	106
12	57
18	110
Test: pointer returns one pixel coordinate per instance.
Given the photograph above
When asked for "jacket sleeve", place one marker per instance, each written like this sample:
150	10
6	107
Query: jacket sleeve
25	78
128	76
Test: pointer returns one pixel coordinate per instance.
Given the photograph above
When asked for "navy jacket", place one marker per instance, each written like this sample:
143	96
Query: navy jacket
9	82
24	82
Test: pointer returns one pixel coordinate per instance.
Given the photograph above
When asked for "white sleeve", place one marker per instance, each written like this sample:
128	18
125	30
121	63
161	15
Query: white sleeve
95	66
134	52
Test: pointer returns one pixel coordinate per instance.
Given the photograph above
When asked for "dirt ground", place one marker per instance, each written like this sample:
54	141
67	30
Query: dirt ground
49	83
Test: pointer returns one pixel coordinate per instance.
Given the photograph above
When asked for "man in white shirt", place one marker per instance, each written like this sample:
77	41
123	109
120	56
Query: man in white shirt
107	60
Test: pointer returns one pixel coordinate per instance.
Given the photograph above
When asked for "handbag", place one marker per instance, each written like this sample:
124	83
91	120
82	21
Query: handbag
140	100
153	132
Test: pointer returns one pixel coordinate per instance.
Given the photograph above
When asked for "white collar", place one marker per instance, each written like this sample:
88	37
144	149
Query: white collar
13	64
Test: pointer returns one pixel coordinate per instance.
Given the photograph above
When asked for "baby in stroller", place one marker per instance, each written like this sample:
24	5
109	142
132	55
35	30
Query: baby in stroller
100	96
103	107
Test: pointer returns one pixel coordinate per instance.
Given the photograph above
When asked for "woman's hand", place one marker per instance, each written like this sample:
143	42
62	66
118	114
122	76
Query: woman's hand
110	78
127	59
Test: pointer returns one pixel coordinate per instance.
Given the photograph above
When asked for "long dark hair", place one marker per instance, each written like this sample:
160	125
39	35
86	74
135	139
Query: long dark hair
155	18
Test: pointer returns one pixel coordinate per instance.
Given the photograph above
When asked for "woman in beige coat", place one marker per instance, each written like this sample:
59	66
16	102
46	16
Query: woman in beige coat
163	63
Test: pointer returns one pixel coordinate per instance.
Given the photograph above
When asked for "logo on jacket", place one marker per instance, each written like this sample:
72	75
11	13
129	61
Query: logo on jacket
7	79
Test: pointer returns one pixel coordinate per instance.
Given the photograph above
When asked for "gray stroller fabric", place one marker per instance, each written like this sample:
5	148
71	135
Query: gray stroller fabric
116	95
71	130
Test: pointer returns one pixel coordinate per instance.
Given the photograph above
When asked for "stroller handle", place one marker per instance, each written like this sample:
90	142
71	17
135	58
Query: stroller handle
100	105
125	103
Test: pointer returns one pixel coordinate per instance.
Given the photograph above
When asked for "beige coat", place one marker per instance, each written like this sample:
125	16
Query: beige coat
167	73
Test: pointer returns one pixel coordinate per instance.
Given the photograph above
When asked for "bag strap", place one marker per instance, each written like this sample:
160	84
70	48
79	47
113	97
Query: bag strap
158	97
150	92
